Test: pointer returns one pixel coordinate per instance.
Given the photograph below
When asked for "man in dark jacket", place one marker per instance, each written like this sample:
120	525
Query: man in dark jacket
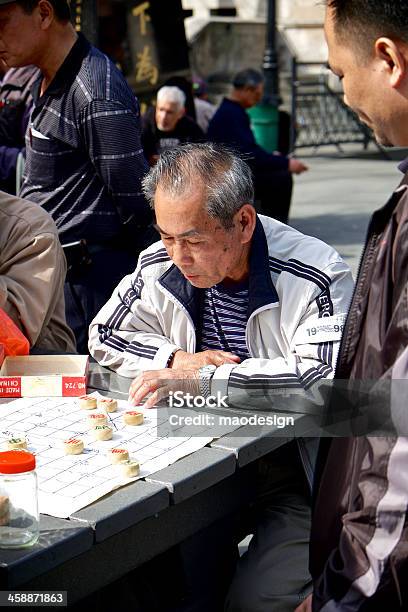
359	550
231	126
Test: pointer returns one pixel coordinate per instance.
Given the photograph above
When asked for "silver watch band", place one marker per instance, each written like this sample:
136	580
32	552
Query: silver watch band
205	374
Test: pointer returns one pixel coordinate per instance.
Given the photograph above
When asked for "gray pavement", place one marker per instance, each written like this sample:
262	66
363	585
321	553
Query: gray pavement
335	199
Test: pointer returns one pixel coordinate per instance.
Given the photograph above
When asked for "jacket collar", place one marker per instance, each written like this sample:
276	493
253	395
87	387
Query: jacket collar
261	289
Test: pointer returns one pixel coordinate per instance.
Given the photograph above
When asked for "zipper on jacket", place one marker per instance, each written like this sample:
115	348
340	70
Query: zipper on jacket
378	223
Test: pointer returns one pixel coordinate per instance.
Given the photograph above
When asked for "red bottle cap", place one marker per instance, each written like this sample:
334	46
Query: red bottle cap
16	462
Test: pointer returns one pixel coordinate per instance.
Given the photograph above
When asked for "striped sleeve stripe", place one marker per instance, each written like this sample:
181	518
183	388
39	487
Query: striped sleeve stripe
323	276
116	343
110	113
131	347
156	261
150	256
115	156
155	258
141	351
321	372
265	381
297	268
118	316
300	272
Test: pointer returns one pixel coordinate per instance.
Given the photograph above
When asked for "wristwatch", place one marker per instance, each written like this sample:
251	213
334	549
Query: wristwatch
205	374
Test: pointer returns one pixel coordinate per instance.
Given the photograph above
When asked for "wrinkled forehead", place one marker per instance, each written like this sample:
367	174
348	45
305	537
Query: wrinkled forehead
169	105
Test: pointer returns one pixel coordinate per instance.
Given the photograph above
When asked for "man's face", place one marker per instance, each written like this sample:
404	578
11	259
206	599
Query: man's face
167	115
366	84
19	35
198	244
253	95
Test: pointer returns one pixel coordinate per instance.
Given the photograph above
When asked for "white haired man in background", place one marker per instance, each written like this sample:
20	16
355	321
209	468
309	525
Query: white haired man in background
167	126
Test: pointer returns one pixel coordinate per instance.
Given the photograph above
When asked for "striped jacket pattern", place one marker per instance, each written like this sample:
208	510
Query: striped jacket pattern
84	155
297	287
299	292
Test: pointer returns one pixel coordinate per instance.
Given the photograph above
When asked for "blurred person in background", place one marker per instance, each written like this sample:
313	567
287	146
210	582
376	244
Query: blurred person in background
166	125
231	126
204	109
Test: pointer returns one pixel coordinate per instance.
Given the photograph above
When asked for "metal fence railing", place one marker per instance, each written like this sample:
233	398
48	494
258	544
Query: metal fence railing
319	115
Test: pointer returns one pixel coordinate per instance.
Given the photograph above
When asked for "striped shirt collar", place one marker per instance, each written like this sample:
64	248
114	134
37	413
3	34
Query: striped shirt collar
67	71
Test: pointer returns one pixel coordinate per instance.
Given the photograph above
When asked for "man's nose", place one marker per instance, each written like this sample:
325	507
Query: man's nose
180	254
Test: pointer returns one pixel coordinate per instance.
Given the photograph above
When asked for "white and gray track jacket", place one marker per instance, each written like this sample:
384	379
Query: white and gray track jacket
299	294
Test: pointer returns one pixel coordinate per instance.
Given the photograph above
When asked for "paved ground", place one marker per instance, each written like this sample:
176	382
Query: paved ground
335	199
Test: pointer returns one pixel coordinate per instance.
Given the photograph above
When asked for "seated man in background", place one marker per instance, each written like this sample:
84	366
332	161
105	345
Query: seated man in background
220	299
167	126
32	274
231	126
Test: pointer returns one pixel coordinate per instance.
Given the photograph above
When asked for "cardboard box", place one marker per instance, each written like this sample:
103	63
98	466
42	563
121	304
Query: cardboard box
44	375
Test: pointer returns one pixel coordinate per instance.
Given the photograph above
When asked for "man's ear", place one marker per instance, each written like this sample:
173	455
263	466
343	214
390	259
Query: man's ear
245	219
391	53
46	13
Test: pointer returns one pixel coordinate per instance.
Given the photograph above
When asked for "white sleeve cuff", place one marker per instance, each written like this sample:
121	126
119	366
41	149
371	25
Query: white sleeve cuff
163	355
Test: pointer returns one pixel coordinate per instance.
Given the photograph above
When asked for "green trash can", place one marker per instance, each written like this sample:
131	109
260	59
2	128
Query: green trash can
265	125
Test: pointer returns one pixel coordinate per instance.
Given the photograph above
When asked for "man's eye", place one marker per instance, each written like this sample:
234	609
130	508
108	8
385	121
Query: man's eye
194	242
167	239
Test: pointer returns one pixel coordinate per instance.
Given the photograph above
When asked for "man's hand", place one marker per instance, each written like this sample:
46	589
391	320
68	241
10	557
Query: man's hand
194	361
296	166
159	383
306	605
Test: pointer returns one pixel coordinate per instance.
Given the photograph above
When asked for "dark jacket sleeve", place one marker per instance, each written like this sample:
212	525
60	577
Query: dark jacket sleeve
231	126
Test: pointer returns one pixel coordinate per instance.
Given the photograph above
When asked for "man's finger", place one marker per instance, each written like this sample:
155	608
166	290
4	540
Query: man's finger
146	387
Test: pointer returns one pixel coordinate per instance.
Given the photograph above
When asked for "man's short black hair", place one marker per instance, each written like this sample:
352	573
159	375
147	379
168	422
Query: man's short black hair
61	8
372	18
247	78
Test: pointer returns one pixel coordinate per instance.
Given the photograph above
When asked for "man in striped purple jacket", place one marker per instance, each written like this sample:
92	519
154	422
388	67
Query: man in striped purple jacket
84	157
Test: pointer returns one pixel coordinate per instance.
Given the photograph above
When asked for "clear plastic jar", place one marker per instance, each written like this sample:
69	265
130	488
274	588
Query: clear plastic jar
19	519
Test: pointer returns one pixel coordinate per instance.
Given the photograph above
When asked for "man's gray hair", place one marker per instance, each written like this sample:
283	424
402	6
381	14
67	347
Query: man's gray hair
172	94
247	78
226	178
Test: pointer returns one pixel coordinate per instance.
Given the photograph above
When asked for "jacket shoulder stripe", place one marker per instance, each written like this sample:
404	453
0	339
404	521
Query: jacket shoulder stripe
118	315
300	270
152	262
312	268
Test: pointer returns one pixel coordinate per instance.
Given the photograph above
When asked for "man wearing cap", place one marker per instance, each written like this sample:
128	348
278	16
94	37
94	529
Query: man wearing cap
84	157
